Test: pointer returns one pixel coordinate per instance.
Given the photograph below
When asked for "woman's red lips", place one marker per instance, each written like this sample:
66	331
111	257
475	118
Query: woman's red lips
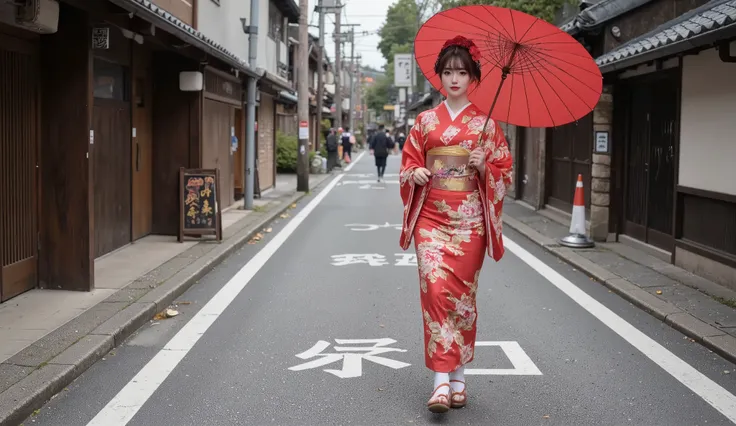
454	87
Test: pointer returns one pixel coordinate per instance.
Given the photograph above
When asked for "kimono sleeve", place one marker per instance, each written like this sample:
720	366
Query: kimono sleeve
411	158
411	194
499	165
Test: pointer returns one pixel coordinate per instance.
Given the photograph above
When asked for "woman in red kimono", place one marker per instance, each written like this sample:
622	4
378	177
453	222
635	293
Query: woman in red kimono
455	170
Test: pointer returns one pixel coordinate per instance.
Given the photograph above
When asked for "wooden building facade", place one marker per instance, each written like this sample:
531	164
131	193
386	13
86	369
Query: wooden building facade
93	130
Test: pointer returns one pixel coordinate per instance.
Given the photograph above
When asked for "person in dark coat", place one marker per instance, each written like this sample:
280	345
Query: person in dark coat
401	140
381	146
331	146
347	145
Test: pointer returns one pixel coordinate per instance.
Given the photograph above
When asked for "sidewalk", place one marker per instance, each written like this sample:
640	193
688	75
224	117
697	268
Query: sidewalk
681	299
51	337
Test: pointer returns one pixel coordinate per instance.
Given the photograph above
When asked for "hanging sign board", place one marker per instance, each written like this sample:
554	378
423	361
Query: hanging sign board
303	130
199	193
100	38
402	69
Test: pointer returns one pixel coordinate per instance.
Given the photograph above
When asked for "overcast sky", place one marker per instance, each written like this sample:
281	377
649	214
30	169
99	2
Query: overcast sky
370	14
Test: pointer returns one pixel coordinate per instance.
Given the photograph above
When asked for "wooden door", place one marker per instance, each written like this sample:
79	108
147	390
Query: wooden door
111	157
571	150
650	159
142	143
18	145
216	151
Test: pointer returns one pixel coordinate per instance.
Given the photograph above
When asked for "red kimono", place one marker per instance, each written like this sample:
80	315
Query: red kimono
453	220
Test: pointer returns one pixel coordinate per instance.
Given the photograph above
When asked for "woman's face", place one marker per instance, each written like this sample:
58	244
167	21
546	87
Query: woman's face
455	79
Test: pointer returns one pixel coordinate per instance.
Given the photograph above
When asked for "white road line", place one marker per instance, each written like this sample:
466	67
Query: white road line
350	166
121	409
715	395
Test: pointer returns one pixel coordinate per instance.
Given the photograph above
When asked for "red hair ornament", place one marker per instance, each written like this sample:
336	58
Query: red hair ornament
465	43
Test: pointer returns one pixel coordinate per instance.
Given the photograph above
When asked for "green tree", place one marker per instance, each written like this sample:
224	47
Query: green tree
400	27
378	94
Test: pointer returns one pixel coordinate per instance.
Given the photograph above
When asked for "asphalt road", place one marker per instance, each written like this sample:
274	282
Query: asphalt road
558	348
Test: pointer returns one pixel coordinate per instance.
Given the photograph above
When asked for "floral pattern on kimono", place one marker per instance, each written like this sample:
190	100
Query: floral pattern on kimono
498	167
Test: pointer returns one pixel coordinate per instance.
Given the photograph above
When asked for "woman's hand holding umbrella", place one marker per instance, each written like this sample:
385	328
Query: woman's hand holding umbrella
477	160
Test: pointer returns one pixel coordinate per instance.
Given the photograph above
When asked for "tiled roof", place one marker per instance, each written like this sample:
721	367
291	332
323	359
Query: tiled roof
219	50
714	15
599	12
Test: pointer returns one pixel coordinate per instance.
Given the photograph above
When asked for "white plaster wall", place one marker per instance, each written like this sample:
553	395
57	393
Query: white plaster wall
708	123
263	40
222	23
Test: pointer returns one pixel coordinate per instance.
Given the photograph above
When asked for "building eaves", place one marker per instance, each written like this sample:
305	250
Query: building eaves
289	8
699	27
166	21
277	82
598	14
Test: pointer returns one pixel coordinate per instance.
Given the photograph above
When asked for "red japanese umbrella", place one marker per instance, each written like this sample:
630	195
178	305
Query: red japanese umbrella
533	73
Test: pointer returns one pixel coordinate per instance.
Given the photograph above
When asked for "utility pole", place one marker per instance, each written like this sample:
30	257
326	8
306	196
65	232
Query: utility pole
352	79
250	121
302	165
338	67
320	73
361	101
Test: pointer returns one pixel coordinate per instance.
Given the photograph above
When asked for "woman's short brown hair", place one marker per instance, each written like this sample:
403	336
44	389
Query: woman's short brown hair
453	54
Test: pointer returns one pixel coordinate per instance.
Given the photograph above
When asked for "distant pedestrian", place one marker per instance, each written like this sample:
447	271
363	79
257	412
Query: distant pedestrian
401	140
331	147
381	146
347	144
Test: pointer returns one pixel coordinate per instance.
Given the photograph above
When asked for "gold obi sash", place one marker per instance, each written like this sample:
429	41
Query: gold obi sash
450	169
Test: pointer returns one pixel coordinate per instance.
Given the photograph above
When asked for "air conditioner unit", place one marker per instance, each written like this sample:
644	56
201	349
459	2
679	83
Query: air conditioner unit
39	16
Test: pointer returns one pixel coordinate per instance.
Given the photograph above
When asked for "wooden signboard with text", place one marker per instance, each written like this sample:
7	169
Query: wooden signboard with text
199	194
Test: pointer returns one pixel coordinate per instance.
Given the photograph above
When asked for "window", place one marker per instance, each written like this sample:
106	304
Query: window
275	23
109	80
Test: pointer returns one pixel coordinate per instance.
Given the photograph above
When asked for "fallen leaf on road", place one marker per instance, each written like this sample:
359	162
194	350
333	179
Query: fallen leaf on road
168	313
256	238
658	291
380	389
293	206
269	229
381	325
726	372
284	216
545	416
182	303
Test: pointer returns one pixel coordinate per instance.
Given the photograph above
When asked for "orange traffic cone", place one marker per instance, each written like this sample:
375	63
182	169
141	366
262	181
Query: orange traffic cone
577	237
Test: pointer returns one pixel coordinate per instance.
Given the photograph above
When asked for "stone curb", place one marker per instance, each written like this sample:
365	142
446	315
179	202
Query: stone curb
711	337
21	399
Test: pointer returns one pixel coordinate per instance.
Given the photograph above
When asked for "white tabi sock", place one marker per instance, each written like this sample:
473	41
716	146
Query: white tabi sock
440	378
458	374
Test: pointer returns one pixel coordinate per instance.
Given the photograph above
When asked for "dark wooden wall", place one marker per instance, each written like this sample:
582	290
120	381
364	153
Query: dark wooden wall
66	199
176	137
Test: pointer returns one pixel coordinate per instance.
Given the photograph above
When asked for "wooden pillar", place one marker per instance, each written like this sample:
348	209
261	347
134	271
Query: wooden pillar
66	217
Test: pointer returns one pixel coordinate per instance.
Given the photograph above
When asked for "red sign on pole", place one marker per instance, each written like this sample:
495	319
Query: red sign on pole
303	130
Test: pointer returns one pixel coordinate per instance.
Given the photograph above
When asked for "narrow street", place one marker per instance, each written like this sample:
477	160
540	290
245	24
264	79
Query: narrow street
319	324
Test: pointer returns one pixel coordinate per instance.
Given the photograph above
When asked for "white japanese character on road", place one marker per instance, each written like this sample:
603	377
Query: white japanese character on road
352	356
371	259
406	259
371	227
